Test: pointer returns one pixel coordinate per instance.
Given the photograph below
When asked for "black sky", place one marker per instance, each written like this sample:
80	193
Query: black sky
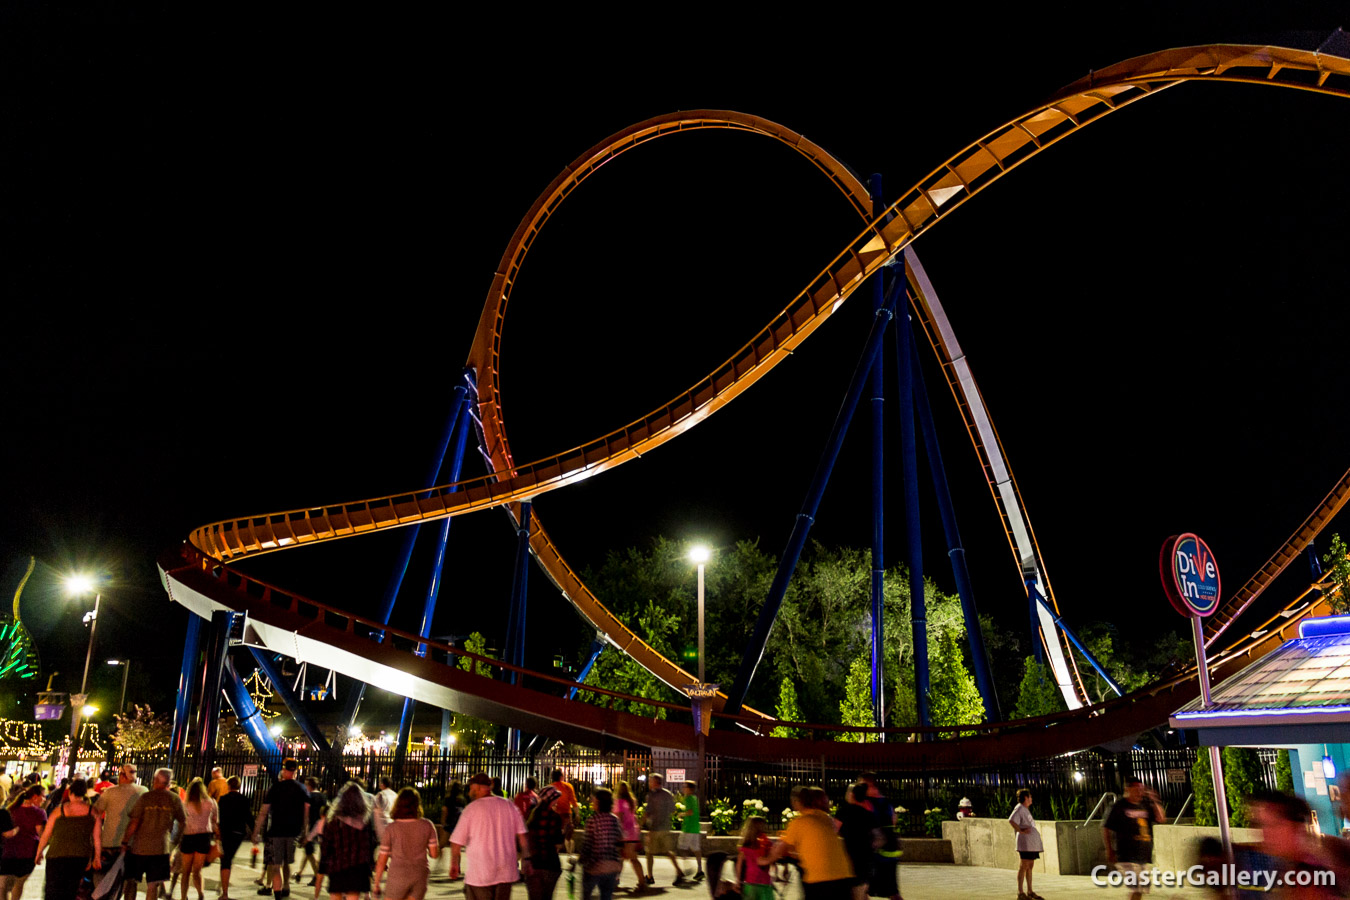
246	260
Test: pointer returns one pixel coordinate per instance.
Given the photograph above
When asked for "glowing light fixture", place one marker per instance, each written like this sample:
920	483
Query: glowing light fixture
88	711
1328	765
354	732
698	553
1077	776
78	584
276	731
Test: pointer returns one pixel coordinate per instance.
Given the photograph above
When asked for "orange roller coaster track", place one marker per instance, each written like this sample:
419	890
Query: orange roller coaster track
971	170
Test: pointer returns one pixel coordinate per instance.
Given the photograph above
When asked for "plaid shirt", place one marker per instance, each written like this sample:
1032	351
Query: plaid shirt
545	832
602	841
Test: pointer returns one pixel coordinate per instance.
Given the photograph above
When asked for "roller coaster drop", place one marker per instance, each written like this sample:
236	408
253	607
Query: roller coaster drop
242	609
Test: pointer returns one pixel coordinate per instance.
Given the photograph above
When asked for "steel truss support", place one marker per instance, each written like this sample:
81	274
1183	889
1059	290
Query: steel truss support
754	650
458	414
597	646
293	703
515	626
878	497
1063	626
187	679
459	438
213	668
909	457
251	720
956	553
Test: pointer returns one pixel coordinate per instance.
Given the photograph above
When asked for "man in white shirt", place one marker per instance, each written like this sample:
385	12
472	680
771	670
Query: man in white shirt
383	805
494	832
113	806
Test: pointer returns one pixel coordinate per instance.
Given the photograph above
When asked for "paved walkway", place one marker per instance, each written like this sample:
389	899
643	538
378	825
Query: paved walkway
917	882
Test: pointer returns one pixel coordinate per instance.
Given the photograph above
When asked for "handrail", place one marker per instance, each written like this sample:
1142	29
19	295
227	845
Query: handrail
1181	812
1093	814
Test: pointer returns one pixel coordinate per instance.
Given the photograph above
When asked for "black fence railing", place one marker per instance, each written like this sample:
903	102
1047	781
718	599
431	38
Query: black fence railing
1063	787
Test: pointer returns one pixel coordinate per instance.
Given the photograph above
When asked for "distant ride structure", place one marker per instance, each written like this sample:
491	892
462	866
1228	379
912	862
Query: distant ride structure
201	576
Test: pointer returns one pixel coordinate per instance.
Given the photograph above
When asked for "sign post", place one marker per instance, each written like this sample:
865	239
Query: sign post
1190	580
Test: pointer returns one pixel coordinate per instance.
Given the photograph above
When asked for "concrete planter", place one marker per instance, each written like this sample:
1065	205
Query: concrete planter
1071	848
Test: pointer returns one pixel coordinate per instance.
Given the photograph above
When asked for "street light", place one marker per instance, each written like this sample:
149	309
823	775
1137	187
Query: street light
126	670
88	711
699	554
77	586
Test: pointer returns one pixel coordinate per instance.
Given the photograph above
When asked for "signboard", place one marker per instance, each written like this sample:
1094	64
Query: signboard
46	712
701	698
251	771
1190	576
675	776
1176	776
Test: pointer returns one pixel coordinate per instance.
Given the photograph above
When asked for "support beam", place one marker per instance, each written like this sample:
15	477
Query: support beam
515	629
293	703
1073	638
251	720
458	414
878	496
909	461
754	650
597	646
208	722
187	679
956	553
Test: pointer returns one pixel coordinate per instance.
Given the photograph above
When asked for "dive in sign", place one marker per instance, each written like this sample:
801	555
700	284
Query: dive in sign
1189	574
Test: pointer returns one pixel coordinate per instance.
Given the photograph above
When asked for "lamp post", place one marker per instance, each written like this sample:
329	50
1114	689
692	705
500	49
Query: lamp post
77	586
126	670
699	555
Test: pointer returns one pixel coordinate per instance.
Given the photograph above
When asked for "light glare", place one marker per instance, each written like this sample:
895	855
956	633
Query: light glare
79	584
698	553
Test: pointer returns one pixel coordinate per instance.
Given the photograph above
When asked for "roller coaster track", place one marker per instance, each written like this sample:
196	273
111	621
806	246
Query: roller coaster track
883	239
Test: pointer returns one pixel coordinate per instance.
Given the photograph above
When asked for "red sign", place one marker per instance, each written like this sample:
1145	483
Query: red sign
1190	576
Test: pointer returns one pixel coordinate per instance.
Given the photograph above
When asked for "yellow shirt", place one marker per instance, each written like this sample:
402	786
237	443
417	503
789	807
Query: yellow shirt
818	847
217	788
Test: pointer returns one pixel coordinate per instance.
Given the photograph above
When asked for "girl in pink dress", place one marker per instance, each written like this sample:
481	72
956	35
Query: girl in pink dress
632	834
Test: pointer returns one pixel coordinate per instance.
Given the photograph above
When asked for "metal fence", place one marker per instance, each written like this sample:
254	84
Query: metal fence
1063	787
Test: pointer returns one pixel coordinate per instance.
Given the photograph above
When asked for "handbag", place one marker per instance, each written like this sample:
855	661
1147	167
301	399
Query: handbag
214	853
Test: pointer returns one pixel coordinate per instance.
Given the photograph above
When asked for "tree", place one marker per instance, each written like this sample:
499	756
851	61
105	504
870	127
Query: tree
1241	777
142	730
856	707
473	732
1038	694
1202	785
1337	561
1284	775
788	710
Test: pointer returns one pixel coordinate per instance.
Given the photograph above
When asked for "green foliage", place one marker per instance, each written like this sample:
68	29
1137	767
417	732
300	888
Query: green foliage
932	821
1066	808
472	732
1202	783
724	815
788	710
1284	775
1337	562
1038	695
142	730
856	707
1241	777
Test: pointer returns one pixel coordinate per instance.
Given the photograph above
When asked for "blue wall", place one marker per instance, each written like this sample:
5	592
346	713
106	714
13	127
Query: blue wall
1304	758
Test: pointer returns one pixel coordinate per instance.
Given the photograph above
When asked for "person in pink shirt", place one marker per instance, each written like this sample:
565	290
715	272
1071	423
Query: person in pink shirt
624	808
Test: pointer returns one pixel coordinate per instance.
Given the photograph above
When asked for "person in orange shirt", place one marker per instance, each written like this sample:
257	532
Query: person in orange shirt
565	805
827	873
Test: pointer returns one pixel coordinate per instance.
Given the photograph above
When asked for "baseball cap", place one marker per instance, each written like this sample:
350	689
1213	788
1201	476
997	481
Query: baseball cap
481	778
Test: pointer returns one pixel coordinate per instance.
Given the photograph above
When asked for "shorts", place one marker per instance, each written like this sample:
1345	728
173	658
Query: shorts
195	843
1029	854
756	891
278	851
691	840
1137	884
660	842
21	866
485	892
154	868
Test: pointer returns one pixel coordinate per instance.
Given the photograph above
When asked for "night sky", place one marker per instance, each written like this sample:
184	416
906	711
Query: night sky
245	261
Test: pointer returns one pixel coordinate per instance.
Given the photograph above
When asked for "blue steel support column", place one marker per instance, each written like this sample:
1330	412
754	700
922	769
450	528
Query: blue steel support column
458	413
955	551
515	632
460	438
187	677
251	720
208	721
1037	646
293	703
597	646
878	501
1068	632
909	455
754	650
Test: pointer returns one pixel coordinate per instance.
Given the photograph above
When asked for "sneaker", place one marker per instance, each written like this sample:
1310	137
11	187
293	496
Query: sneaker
651	880
699	876
285	892
265	892
679	878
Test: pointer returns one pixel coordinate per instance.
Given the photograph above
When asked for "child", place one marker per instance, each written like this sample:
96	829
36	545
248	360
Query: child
754	878
691	834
